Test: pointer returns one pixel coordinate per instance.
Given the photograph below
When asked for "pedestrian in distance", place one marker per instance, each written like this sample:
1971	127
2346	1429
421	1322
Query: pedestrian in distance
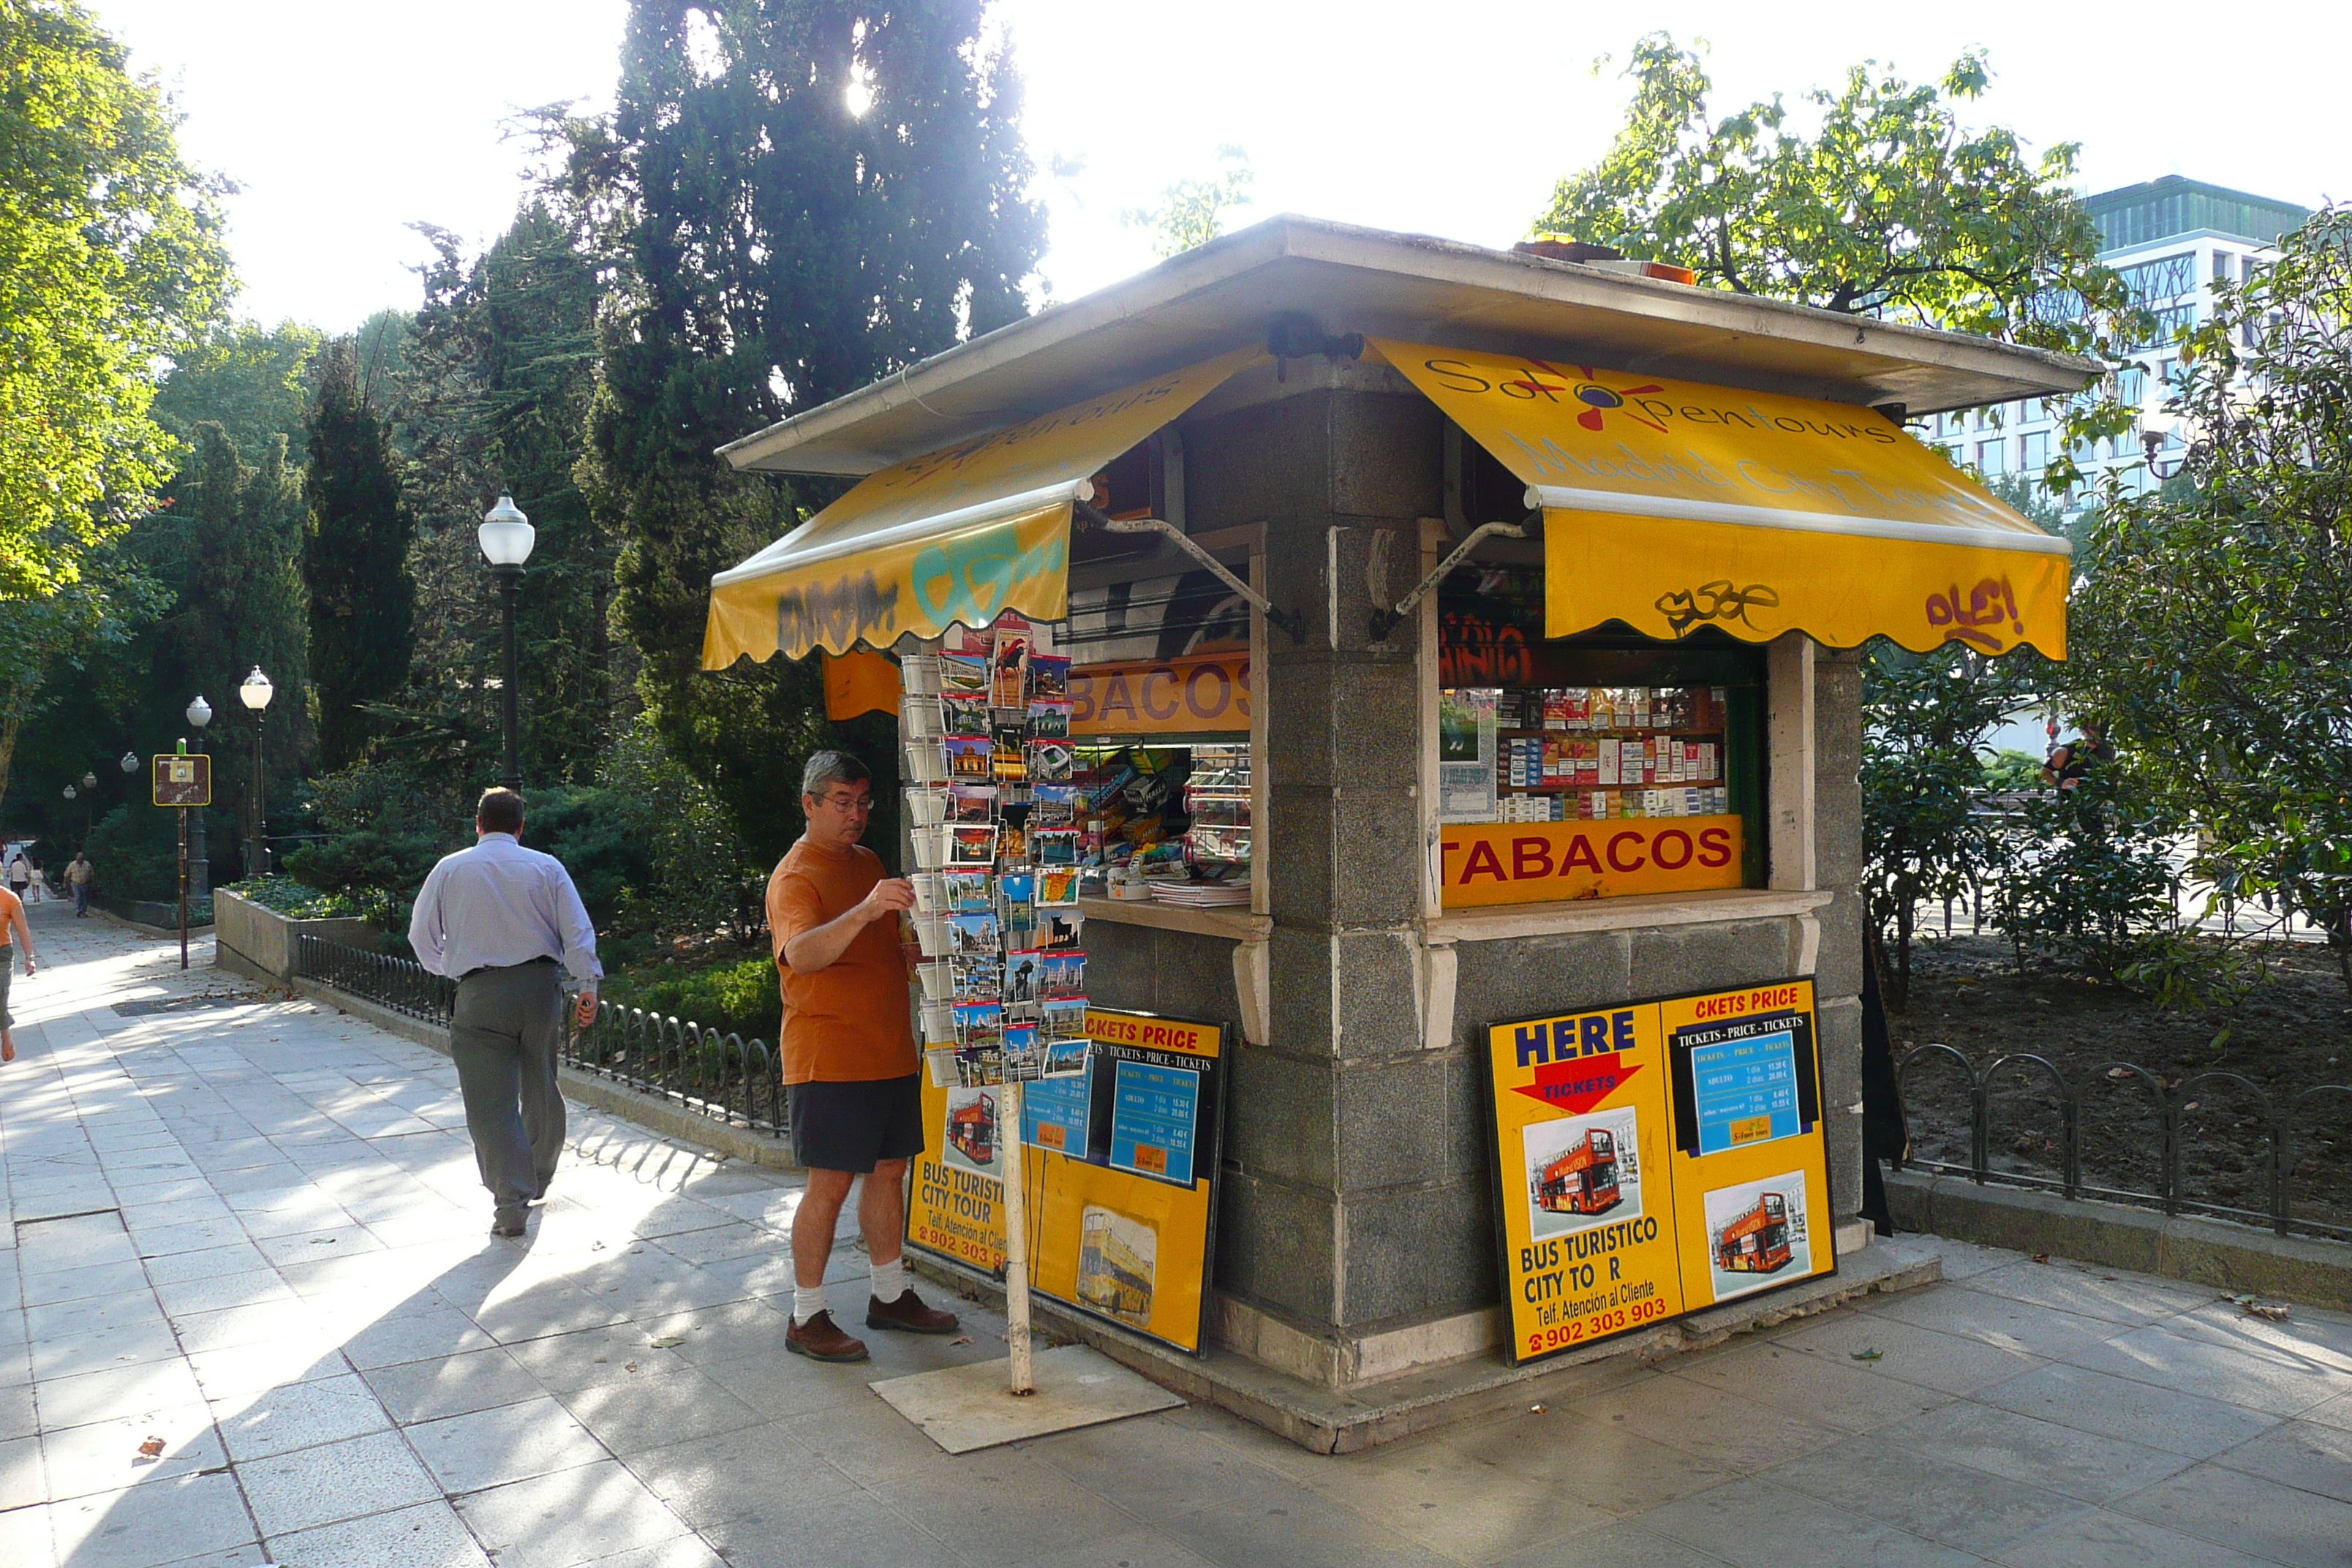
40	880
78	876
506	923
12	929
851	1097
20	873
2071	764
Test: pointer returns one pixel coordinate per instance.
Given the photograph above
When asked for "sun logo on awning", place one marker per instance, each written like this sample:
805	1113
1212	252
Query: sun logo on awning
1585	387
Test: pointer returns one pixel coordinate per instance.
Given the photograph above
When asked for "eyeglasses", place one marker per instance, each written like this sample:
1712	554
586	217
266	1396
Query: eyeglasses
850	801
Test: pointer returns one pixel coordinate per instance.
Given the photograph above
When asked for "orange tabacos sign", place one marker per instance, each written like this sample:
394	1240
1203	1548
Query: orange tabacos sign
1535	862
1157	696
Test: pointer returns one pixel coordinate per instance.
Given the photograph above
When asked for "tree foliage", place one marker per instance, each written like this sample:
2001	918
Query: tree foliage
1888	208
252	381
1193	212
797	198
110	258
2216	637
355	564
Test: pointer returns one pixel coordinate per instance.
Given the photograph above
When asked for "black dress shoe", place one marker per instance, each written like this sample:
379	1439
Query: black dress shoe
509	1222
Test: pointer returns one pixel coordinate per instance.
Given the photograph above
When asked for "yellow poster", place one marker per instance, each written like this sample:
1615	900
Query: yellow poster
1120	1167
1652	1158
1161	697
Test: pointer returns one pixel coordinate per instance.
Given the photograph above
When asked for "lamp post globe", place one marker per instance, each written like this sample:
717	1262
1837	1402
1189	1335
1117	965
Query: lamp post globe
200	714
89	780
70	792
255	692
129	761
505	537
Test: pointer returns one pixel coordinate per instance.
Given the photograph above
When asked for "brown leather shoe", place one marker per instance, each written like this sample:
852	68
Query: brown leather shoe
908	1314
820	1339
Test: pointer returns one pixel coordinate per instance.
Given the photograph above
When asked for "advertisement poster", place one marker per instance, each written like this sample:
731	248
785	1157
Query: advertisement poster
1121	1161
1652	1158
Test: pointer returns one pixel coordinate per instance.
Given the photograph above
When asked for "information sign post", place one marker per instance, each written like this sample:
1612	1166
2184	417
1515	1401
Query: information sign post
184	782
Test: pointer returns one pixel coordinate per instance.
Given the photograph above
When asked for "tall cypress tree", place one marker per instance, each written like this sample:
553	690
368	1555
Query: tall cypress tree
355	562
806	194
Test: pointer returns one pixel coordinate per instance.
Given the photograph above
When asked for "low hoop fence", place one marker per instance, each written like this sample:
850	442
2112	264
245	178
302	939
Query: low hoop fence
2213	1143
712	1073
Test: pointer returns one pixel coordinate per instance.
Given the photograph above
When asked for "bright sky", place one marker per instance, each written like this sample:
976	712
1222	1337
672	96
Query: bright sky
344	123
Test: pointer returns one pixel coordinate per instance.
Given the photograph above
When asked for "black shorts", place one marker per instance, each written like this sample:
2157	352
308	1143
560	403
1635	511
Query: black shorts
849	1125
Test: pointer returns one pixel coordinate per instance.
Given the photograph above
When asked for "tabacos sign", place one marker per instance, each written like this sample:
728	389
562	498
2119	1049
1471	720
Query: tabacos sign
1176	695
1537	862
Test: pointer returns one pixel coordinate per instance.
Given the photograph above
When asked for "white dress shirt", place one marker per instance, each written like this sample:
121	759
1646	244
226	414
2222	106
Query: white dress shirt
499	904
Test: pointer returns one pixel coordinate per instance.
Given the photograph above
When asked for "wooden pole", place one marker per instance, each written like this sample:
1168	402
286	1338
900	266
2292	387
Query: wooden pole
1016	1242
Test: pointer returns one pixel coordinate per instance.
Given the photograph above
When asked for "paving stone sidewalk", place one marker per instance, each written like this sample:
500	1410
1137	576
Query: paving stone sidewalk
252	1228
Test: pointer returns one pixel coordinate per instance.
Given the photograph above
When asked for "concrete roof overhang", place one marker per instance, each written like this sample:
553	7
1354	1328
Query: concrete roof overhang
1351	279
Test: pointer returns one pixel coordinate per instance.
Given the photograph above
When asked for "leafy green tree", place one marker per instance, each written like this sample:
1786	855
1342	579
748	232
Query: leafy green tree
55	645
798	197
494	392
1892	208
2216	637
355	564
110	258
1925	839
252	381
1193	212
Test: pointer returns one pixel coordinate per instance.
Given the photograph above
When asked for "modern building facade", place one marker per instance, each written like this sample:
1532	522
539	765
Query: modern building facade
2172	239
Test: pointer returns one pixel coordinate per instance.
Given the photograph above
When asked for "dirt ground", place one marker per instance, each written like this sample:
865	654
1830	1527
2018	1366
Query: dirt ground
2292	1034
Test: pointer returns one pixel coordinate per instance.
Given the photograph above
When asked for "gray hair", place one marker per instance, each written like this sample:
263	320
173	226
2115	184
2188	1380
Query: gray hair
827	769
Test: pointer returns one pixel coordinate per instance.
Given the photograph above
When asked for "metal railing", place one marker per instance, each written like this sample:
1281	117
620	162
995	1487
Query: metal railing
713	1073
2166	1114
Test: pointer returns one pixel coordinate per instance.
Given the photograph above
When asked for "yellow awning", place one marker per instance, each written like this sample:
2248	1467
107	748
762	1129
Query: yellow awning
957	536
1674	505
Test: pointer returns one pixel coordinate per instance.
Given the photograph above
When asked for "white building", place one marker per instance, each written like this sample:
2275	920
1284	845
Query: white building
2171	240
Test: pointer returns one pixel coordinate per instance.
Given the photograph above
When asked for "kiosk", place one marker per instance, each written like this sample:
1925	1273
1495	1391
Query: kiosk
1500	617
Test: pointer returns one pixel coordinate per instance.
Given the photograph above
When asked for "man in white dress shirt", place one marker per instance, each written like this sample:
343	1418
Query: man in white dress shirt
505	921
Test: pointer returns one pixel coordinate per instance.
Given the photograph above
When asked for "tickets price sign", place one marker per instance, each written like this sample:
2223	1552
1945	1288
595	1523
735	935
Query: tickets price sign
1653	1158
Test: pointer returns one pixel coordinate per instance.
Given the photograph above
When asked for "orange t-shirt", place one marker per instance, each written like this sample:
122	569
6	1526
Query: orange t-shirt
849	1020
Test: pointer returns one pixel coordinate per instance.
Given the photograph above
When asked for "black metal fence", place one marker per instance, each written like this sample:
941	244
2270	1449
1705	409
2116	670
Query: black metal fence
2237	1126
718	1075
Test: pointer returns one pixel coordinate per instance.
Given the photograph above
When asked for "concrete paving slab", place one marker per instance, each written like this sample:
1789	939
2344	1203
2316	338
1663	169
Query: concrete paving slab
966	1408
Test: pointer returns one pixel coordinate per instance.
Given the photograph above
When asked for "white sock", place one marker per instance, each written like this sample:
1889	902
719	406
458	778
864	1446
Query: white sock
808	1300
890	1280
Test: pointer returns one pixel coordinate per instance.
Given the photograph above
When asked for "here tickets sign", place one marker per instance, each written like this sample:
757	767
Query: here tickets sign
1653	1158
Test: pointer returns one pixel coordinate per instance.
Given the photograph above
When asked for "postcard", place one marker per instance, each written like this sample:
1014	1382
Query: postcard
1050	761
979	1024
1049	720
1057	930
1024	976
969	845
967	757
1056	884
1065	1016
1014	843
970	892
978	977
1016	892
1011	686
972	935
971	803
966	712
1055	847
961	675
1049	676
1066	1058
1061	976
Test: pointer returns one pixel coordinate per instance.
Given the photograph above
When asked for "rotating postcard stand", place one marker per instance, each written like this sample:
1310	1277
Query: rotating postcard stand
970	723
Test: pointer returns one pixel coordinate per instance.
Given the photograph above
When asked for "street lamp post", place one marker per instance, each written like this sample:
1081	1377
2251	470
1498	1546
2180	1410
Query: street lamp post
505	537
256	693
200	714
70	794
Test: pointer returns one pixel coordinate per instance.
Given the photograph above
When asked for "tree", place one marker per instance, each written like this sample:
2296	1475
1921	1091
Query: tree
798	197
355	564
2216	637
252	381
1193	212
110	258
1891	208
494	394
64	633
1924	837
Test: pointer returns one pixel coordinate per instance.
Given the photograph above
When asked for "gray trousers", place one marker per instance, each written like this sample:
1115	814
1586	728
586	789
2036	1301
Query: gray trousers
504	1034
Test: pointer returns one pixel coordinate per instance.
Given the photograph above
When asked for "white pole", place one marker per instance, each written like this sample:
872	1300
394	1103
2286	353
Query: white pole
1016	1240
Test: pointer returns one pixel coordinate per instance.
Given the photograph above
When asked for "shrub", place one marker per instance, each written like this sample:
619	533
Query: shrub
601	837
381	871
136	848
739	996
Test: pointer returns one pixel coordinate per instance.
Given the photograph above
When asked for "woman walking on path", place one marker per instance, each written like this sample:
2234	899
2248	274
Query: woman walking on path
12	927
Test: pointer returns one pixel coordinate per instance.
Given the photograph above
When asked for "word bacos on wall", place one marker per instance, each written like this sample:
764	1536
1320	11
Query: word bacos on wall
1158	697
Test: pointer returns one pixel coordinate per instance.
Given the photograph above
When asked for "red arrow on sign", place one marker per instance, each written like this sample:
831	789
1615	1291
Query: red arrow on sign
1579	1085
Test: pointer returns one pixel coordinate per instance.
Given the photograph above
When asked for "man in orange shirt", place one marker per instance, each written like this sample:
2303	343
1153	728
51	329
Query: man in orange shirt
851	1097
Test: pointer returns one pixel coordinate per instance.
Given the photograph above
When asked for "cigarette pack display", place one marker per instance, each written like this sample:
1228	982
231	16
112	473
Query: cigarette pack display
1555	710
1608	762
